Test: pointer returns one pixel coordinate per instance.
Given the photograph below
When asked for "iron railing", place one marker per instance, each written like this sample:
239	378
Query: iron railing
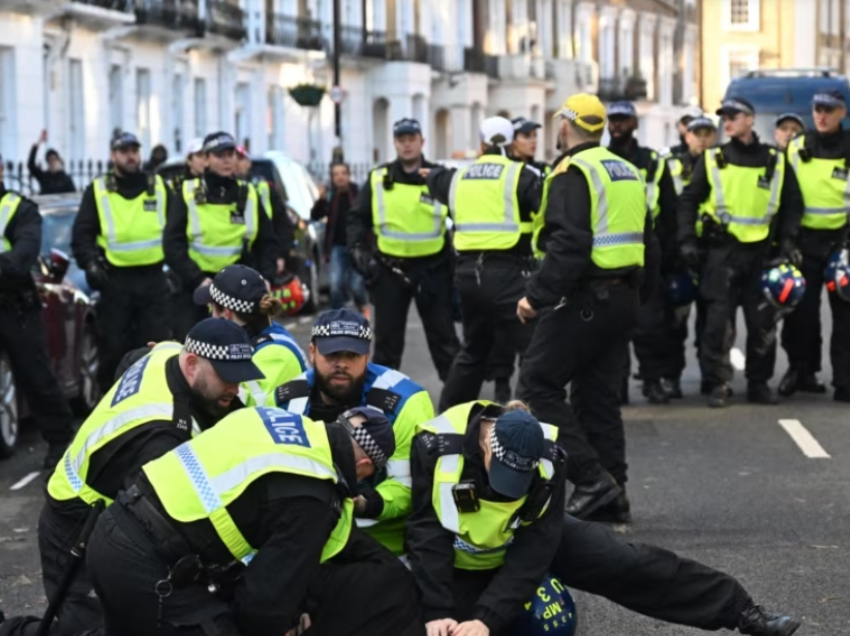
491	66
301	33
225	19
171	14
82	172
124	6
473	60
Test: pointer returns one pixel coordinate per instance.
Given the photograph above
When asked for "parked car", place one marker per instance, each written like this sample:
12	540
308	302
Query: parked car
69	318
299	191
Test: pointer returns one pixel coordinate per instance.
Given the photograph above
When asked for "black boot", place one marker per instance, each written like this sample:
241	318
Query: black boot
719	396
790	382
672	387
595	489
760	393
841	394
654	392
618	511
755	621
809	383
502	392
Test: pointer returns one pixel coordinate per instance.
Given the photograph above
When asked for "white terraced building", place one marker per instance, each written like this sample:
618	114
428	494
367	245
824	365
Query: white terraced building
172	70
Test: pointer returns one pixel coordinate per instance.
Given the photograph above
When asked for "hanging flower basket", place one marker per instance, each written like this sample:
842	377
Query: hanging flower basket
307	94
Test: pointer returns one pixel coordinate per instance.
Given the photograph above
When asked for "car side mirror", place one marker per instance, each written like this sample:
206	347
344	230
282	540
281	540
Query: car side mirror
55	266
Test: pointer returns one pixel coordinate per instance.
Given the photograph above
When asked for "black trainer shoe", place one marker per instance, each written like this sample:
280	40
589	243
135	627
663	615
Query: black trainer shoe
595	490
756	621
54	456
653	392
719	396
789	383
760	393
672	387
809	383
502	392
618	511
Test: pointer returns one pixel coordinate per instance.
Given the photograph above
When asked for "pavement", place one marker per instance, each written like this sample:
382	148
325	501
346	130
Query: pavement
761	492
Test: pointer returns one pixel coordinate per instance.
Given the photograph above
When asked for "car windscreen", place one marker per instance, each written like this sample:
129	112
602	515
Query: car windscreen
56	232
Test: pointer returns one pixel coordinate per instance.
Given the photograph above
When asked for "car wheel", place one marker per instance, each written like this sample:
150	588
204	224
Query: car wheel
89	387
311	279
9	422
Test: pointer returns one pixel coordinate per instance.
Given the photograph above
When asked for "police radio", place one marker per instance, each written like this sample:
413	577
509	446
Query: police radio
466	497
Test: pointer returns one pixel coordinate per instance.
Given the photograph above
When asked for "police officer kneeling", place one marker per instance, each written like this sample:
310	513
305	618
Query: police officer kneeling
488	491
264	487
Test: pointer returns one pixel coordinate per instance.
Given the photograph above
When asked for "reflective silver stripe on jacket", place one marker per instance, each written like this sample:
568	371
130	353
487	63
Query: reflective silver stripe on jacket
196	236
511	213
601	236
378	189
722	211
210	490
73	465
299	405
9	202
111	238
798	144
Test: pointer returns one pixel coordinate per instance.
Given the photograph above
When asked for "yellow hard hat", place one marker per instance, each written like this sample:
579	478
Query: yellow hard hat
585	111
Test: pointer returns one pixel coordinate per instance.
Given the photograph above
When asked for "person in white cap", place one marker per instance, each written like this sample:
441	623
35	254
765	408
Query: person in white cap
491	202
196	163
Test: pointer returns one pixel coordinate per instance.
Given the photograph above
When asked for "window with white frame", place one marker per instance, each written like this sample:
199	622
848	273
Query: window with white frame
116	98
143	106
736	60
742	15
201	128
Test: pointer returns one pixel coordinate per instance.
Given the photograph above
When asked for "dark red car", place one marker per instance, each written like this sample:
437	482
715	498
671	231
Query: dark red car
69	317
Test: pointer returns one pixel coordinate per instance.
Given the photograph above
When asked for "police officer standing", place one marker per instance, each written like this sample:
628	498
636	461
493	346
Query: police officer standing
196	162
267	488
117	241
788	126
821	160
653	341
598	237
22	334
412	259
748	195
162	400
218	220
492	201
690	113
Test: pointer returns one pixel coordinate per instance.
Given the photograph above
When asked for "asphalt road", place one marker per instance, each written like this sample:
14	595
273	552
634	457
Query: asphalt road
730	488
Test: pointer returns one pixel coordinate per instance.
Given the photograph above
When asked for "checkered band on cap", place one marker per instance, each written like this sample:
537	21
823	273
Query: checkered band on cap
334	329
229	353
510	458
365	440
230	302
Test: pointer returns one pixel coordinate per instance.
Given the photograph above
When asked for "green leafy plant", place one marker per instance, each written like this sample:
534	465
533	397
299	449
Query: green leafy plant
307	94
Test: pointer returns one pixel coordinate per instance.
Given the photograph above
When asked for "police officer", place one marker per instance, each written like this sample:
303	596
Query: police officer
412	259
701	135
488	491
749	195
788	126
217	221
167	396
491	201
342	378
821	159
689	114
196	163
22	333
264	487
117	241
597	237
500	367
239	294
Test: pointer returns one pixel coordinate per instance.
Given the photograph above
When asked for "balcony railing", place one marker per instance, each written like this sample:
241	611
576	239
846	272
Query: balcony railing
437	57
225	19
171	14
612	89
473	60
491	66
125	6
301	33
375	44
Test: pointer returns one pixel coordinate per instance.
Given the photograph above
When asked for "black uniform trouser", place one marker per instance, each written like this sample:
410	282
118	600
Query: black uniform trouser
500	364
584	343
23	337
659	337
133	310
801	333
489	293
731	278
643	578
364	591
431	289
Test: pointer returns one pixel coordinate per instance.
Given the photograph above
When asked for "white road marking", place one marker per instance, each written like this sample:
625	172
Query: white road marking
23	482
804	439
303	320
290	325
739	361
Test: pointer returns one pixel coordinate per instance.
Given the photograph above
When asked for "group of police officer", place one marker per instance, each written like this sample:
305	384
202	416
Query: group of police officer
234	475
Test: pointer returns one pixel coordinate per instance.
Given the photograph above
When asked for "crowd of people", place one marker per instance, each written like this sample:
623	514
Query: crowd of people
250	487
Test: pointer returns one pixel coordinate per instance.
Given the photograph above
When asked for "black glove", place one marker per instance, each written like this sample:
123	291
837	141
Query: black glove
689	253
96	276
364	263
789	251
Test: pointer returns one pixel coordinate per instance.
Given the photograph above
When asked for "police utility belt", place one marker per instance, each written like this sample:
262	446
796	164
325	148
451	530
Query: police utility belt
143	523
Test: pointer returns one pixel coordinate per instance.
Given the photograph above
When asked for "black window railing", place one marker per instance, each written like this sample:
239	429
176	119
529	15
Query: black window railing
16	176
225	19
375	44
352	40
124	6
473	60
415	49
491	66
437	57
302	33
170	14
